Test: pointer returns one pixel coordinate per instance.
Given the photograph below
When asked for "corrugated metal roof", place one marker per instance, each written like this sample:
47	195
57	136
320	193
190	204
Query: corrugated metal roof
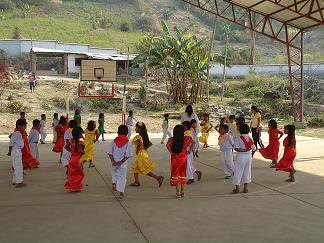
302	14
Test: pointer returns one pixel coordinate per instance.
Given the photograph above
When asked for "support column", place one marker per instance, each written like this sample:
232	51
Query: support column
33	62
65	64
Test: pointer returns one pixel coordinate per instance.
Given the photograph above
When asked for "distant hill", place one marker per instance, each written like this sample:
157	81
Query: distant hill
121	23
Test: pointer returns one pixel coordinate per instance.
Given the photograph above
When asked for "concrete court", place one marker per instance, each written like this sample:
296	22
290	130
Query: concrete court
273	211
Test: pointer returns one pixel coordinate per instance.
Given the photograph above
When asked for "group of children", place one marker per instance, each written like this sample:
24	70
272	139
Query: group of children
76	147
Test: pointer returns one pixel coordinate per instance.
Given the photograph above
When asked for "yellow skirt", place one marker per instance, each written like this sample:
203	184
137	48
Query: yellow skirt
142	165
204	137
89	151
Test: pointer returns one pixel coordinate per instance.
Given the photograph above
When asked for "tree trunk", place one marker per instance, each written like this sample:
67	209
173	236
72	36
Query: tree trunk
252	43
224	69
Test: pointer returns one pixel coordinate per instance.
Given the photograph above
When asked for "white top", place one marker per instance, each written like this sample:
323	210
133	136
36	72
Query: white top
67	136
55	122
130	121
16	141
185	117
120	153
239	144
254	119
165	124
195	134
33	136
227	143
42	125
231	128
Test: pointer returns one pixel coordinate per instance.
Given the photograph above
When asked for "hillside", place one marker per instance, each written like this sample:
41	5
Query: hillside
120	24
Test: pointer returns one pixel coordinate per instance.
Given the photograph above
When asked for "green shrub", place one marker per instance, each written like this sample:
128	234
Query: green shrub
142	92
315	120
124	27
45	106
146	22
6	5
16	107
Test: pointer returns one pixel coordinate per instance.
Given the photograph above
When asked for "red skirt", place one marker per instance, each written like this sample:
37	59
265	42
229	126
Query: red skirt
271	151
58	147
75	175
286	162
178	169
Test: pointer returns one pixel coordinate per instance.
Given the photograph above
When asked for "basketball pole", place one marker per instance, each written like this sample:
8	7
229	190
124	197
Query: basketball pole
124	94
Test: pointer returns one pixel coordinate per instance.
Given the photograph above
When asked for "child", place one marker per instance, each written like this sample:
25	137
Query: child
23	115
101	127
191	169
231	124
142	164
77	117
195	132
75	170
222	121
226	144
287	160
165	127
43	128
206	126
33	138
91	136
54	125
60	130
16	144
272	150
178	146
240	120
66	155
130	123
119	151
244	146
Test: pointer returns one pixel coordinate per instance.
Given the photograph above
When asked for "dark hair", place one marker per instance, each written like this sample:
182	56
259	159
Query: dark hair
130	113
76	134
43	116
222	120
63	120
225	126
291	133
166	115
21	122
73	123
240	120
144	135
122	130
231	117
101	115
178	139
91	125
36	122
189	110
22	113
77	112
206	115
244	128
186	124
193	121
254	107
55	115
273	124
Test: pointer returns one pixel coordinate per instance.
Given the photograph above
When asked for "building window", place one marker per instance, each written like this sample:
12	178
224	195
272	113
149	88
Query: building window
78	62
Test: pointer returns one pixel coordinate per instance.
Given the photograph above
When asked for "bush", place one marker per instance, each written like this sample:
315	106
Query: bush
59	102
16	107
124	27
142	92
146	22
6	5
315	121
45	106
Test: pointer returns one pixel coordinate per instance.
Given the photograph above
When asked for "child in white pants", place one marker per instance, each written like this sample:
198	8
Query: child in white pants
43	128
165	127
119	151
226	144
16	144
130	123
244	146
195	136
54	125
33	139
66	154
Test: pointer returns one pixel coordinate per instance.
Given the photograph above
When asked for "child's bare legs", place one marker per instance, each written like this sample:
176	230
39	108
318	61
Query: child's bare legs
156	177
182	190
91	164
103	137
178	195
273	164
136	182
292	176
114	187
60	162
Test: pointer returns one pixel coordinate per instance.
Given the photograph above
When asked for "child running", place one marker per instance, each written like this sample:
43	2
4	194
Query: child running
222	121
272	150
54	125
60	130
119	151
75	170
33	139
165	127
101	127
226	144
191	169
66	155
195	132
243	145
286	163
142	164
206	126
130	123
91	136
43	128
16	144
178	146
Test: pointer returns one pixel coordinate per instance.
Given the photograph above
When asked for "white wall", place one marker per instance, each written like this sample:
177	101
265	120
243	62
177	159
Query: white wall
104	51
71	63
72	47
12	47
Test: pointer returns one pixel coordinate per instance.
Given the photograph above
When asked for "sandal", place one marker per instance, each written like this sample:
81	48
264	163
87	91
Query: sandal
182	194
178	195
290	180
135	184
246	190
91	165
160	180
236	191
199	174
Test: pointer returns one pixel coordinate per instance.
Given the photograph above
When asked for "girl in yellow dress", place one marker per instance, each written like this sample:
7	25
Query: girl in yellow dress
91	136
206	126
142	164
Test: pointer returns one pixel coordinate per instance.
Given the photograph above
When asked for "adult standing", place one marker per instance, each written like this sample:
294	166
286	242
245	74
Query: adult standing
190	115
255	125
32	82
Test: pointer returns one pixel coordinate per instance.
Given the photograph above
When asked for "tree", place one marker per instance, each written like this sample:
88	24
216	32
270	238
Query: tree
16	34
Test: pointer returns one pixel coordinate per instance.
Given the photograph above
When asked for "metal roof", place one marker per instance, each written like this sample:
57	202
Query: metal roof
302	14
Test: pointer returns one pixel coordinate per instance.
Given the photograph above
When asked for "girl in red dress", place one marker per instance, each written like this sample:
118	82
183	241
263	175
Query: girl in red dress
272	150
178	146
75	170
287	160
60	130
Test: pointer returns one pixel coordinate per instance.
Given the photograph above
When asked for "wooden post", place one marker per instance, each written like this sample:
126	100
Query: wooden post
211	47
224	70
127	71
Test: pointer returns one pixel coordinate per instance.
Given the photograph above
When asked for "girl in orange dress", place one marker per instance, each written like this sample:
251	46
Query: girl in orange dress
287	160
75	169
60	130
178	146
272	150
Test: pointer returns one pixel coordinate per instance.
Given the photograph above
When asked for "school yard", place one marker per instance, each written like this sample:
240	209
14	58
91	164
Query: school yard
273	211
